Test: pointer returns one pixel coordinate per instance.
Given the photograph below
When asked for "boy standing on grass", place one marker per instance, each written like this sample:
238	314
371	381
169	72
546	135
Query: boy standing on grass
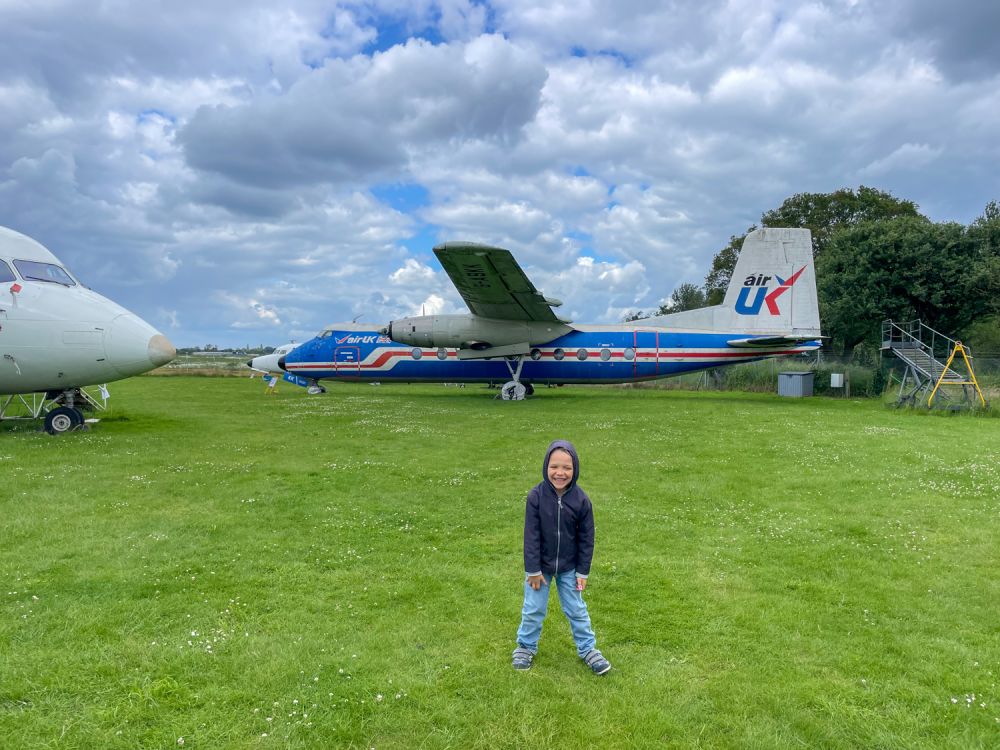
558	545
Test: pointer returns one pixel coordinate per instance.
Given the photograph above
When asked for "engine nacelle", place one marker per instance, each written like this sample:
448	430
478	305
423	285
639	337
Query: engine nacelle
471	331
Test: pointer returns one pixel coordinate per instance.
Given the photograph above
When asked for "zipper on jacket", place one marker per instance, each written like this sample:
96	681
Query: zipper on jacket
558	530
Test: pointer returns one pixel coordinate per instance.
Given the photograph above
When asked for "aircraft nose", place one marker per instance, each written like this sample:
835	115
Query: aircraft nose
281	362
135	347
160	350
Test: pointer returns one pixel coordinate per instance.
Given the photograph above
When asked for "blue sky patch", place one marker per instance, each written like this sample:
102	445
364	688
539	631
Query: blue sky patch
402	196
395	31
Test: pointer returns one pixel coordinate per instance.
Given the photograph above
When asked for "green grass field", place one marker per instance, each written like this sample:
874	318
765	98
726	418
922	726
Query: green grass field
211	567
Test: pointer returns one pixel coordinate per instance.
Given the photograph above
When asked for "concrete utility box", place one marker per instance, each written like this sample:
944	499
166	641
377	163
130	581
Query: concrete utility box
795	384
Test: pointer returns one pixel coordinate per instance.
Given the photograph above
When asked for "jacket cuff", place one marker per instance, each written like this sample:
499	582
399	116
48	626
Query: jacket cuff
533	574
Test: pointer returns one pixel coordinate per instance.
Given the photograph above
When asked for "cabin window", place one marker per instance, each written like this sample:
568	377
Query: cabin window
630	354
558	354
581	354
442	353
5	273
605	354
33	270
416	354
536	354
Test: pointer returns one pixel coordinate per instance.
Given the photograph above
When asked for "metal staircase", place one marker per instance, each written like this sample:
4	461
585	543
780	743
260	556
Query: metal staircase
919	347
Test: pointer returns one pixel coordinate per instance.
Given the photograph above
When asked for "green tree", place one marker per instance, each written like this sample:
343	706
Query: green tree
985	234
722	268
983	334
685	297
823	214
900	268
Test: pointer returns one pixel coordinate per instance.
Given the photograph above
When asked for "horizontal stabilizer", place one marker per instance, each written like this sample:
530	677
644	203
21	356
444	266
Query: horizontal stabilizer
769	342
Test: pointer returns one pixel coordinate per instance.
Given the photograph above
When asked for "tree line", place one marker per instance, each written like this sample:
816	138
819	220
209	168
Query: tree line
877	257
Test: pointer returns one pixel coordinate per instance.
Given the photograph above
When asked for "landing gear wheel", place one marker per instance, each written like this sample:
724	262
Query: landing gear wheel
315	390
529	389
512	391
62	419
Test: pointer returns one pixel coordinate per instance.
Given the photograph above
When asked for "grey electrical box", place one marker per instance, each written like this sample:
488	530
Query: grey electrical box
795	384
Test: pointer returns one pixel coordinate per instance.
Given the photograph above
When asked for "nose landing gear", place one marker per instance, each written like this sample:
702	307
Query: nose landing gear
63	419
59	411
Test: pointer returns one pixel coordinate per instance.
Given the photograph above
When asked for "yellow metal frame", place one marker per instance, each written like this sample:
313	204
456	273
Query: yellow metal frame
968	366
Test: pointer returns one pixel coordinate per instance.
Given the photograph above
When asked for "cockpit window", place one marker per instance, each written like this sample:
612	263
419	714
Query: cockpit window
5	273
325	334
33	270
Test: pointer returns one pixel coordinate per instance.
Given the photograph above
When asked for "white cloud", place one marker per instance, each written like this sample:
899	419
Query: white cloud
412	272
169	318
433	305
249	313
208	158
596	291
164	265
909	156
519	221
362	116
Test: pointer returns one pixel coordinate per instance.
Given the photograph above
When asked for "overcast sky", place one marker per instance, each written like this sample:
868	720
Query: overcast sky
243	173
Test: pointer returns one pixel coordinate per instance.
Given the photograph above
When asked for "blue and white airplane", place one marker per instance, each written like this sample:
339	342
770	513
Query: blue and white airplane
513	336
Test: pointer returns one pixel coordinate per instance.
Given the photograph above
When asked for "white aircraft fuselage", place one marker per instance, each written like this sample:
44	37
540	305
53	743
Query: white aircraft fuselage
268	363
57	335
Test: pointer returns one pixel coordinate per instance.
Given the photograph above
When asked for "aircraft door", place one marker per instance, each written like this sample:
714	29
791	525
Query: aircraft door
647	352
347	360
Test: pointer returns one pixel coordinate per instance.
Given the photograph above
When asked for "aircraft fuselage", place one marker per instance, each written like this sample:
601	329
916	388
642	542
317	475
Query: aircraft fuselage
56	334
590	354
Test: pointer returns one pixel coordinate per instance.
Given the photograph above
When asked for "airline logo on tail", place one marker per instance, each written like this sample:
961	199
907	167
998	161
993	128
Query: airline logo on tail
758	283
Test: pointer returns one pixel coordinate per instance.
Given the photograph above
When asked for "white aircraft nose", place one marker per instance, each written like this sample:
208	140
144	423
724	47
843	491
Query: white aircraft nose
160	350
135	347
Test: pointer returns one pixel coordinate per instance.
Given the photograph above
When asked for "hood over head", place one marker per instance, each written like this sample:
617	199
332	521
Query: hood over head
567	446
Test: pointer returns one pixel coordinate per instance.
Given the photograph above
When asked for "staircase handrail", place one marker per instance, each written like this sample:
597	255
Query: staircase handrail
915	332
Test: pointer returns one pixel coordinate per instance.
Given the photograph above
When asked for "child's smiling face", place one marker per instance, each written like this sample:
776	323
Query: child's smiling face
560	469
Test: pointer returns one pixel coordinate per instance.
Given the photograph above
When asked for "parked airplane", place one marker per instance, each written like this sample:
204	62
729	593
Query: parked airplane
57	336
268	363
513	335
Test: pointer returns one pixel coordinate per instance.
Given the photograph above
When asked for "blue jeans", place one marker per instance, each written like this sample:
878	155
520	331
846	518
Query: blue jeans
536	603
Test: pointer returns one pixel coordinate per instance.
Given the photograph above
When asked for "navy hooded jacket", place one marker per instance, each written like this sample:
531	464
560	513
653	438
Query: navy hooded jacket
558	531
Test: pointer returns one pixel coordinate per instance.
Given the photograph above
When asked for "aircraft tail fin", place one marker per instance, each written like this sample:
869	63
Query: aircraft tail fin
772	291
773	287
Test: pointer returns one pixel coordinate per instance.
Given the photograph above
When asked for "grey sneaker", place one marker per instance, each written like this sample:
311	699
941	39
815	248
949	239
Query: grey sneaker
596	661
522	658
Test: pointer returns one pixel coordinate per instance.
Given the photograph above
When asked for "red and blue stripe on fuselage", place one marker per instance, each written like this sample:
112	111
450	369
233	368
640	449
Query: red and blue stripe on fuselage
583	356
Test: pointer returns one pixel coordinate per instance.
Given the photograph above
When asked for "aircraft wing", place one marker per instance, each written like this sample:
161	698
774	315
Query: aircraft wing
493	284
